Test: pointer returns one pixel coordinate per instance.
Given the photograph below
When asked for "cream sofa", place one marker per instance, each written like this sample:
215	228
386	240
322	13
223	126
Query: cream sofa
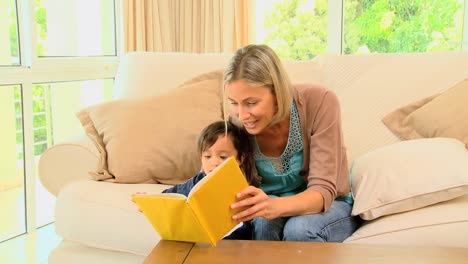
100	224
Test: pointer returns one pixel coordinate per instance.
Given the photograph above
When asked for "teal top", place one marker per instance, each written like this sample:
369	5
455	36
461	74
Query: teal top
346	198
280	175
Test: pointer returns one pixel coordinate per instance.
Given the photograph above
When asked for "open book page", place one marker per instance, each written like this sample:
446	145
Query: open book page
200	182
171	217
234	229
213	196
222	166
174	195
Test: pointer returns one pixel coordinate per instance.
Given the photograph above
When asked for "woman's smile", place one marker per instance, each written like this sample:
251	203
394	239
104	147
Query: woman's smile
253	105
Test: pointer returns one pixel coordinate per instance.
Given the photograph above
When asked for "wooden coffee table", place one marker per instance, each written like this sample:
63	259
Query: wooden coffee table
271	252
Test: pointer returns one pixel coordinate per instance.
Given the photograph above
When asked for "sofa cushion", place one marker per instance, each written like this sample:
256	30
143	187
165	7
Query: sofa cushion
443	224
408	175
76	253
153	139
441	115
102	215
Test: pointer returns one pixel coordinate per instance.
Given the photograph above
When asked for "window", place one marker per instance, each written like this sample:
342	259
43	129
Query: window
12	165
295	29
9	54
75	28
383	26
302	29
48	72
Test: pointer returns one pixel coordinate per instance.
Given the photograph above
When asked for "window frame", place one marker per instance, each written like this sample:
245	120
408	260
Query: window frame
335	28
465	26
34	69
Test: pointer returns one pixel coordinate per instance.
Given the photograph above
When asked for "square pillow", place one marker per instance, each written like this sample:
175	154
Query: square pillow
153	139
441	115
408	175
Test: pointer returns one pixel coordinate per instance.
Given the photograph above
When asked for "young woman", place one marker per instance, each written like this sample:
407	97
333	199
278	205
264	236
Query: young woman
217	142
298	149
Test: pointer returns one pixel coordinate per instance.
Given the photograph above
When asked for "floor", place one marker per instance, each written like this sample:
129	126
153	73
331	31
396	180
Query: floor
33	248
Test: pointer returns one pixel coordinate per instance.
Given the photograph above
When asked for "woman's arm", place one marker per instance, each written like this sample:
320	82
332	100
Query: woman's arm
328	167
327	162
261	205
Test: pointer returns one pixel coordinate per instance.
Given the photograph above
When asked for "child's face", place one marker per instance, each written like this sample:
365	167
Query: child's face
222	149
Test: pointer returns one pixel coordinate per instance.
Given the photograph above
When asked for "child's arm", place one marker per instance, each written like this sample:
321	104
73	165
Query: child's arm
184	188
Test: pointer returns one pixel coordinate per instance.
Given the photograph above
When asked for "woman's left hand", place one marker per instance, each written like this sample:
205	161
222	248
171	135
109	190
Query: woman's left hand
258	204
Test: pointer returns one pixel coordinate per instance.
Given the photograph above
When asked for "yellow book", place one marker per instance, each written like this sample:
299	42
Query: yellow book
205	214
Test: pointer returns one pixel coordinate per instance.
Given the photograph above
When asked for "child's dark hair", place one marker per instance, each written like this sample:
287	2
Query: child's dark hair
241	142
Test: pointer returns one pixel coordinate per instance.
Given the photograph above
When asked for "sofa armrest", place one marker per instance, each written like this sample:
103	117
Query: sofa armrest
66	162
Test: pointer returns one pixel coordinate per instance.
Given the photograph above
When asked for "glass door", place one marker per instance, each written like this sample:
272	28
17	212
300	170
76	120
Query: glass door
56	57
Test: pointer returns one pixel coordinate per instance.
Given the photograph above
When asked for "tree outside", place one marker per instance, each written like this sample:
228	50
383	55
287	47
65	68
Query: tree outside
389	26
40	92
297	29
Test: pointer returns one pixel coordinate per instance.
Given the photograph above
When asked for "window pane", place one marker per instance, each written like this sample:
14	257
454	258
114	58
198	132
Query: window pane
12	202
55	121
75	27
294	29
9	48
382	26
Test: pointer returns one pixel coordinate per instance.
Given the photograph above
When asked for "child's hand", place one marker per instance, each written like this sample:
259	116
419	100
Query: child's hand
138	193
134	200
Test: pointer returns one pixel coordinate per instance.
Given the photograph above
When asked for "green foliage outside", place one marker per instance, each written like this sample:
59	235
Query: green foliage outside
297	31
39	91
41	28
388	26
39	118
13	31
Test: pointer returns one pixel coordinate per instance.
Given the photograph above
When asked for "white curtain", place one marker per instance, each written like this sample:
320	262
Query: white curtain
199	26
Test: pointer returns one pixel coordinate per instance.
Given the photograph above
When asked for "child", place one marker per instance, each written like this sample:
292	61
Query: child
215	145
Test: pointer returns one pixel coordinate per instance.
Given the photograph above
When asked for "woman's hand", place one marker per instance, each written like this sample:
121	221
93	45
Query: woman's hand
258	204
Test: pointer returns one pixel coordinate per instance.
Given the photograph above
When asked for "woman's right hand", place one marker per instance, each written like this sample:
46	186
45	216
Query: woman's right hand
258	204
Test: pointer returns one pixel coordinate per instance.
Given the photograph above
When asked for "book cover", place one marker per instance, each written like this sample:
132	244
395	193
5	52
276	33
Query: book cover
204	215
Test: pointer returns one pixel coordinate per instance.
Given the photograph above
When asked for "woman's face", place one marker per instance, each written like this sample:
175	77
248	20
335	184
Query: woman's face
222	149
254	106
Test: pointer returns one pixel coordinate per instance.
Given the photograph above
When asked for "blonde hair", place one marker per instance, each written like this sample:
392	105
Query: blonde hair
260	66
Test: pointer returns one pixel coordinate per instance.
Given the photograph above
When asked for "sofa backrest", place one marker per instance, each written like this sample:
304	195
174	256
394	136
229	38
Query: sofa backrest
371	86
368	86
142	74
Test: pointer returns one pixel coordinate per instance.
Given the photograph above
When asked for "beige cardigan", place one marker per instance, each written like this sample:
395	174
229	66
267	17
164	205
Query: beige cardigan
324	148
320	115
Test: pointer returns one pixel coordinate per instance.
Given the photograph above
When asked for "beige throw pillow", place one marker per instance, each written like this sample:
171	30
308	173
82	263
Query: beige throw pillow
408	175
153	139
441	115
